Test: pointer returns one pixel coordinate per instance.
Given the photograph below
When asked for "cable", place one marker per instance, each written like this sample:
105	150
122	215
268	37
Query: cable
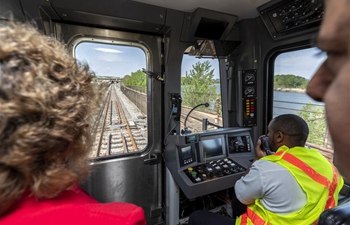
171	114
166	136
185	130
205	104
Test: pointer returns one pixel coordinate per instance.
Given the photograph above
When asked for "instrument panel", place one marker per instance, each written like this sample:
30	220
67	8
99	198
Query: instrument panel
208	161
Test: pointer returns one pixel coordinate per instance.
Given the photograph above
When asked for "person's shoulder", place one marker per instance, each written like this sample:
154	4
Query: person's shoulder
116	213
263	164
85	211
266	167
118	208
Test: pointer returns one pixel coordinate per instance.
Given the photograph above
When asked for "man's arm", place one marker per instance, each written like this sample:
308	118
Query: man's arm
250	186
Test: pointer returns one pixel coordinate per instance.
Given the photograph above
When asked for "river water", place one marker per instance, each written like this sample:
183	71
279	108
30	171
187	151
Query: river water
291	102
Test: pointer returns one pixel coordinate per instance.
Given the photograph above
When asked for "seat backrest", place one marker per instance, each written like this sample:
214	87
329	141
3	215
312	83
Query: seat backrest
339	215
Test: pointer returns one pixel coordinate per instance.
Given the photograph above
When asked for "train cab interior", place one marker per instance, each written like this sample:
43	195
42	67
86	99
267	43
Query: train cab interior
193	137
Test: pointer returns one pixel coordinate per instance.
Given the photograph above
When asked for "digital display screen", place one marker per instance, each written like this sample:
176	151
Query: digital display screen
212	147
191	139
186	152
238	144
210	28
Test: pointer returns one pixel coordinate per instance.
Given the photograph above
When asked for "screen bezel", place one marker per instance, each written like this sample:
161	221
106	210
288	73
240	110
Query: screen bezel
223	148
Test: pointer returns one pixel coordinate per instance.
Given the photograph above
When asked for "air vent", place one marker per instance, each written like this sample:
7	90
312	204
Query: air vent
287	18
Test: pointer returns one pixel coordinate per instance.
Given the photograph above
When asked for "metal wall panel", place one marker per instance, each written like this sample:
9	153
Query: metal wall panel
11	9
128	179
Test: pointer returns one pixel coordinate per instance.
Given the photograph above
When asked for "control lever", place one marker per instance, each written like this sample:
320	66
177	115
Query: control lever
206	122
153	75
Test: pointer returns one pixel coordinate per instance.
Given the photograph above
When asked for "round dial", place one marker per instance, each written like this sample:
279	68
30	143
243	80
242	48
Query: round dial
249	91
249	77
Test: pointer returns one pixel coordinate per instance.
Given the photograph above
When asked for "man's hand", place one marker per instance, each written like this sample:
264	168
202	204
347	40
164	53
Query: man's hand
258	152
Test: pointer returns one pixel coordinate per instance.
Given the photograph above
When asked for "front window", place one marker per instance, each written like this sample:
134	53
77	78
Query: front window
120	124
200	84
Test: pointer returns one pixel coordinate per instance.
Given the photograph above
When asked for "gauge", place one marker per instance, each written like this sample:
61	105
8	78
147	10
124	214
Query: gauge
233	142
250	77
249	91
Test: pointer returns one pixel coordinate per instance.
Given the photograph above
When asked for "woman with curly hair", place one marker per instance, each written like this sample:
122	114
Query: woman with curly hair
45	107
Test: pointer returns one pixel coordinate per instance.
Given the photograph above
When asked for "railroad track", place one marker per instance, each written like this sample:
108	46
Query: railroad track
117	132
195	120
114	129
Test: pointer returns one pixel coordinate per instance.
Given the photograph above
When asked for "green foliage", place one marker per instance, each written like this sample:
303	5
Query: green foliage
197	85
290	81
220	106
137	78
315	117
217	81
125	79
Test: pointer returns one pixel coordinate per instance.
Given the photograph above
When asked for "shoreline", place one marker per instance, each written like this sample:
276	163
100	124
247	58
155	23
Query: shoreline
290	90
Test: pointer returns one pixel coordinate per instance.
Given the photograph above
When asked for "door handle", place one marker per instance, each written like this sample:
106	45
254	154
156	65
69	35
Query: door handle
153	159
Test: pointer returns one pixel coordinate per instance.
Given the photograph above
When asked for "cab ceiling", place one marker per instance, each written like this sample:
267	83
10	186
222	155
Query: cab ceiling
241	8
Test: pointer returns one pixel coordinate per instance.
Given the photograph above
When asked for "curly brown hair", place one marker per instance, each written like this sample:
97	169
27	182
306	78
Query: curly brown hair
45	108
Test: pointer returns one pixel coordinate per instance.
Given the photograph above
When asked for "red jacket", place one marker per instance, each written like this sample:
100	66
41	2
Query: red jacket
73	207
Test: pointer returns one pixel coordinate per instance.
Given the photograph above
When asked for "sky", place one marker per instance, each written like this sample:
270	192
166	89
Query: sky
113	60
302	63
188	61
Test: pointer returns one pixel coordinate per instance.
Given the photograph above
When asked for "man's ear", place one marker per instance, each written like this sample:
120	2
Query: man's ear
279	137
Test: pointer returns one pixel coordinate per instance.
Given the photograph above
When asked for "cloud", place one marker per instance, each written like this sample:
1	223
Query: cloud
108	58
108	50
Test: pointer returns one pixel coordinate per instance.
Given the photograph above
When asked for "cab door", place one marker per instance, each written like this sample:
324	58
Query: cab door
134	177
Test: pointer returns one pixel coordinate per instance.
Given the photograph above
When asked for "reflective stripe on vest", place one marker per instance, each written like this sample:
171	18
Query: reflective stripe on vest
255	218
313	174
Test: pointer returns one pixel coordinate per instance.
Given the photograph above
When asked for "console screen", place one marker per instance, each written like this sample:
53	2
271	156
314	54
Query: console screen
186	152
212	148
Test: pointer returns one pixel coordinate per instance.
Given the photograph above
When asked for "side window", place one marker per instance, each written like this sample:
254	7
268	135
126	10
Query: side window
200	84
120	120
293	71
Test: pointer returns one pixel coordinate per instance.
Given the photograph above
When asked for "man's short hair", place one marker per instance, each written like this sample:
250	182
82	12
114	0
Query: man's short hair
293	126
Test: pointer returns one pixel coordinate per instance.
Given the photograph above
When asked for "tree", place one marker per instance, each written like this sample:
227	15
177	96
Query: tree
125	79
197	85
314	115
290	81
137	78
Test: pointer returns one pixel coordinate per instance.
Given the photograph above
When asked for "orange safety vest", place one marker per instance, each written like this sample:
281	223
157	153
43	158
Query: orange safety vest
318	178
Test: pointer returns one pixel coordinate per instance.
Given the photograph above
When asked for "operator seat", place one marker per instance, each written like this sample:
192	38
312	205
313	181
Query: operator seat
339	215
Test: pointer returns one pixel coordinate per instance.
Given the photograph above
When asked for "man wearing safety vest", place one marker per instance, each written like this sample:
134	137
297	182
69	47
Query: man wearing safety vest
292	186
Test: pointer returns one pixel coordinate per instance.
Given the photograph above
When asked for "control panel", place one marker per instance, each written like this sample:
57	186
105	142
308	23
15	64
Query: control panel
208	161
213	169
